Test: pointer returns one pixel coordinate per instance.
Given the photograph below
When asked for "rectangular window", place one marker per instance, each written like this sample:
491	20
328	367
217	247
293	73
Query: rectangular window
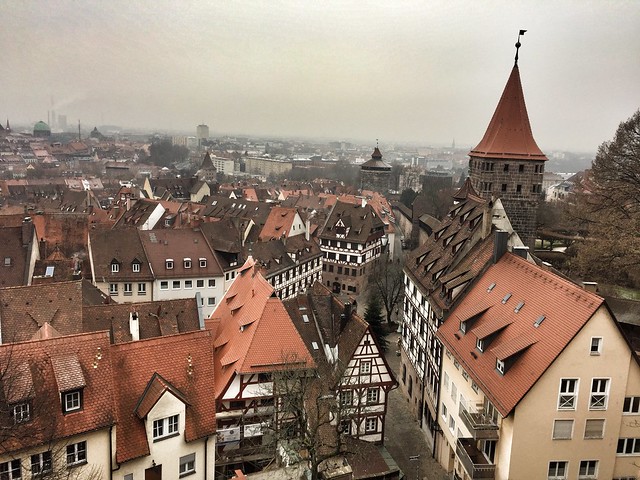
211	301
11	470
128	288
454	392
373	395
562	429
596	346
202	262
346	397
445	381
557	470
113	289
594	428
175	285
41	463
187	465
212	282
168	264
188	284
21	412
76	453
371	424
72	401
588	469
164	285
568	394
599	394
165	427
631	405
187	263
503	187
135	267
500	366
518	188
345	426
142	289
444	411
199	283
628	446
452	424
365	368
115	267
480	344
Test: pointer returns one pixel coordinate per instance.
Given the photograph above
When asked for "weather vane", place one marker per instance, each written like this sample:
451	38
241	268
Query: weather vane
518	44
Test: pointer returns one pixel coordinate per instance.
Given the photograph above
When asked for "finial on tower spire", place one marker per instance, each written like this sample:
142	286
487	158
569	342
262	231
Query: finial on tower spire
518	44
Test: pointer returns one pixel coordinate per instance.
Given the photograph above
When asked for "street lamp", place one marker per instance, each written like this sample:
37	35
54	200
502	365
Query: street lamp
416	458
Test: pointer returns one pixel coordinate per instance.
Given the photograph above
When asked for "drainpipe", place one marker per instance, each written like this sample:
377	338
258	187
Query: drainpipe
434	430
206	459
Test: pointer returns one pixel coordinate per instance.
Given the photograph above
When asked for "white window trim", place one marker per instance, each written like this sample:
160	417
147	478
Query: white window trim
553	431
202	262
605	394
573	394
115	267
135	267
76	453
164	285
599	349
168	263
165	423
72	396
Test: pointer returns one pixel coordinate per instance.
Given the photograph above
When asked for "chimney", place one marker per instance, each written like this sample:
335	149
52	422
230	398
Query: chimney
134	326
27	231
307	228
500	244
590	286
522	252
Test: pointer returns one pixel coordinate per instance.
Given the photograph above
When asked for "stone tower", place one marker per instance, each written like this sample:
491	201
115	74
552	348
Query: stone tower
508	164
375	174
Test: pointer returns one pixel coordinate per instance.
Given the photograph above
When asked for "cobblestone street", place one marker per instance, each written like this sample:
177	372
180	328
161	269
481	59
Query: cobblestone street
403	437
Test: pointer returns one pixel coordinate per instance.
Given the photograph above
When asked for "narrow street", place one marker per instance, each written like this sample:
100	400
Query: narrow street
403	437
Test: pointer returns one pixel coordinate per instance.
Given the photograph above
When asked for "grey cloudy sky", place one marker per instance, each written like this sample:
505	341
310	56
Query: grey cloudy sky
423	71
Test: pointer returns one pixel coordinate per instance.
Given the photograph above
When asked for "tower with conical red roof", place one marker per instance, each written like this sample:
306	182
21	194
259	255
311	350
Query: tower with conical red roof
507	163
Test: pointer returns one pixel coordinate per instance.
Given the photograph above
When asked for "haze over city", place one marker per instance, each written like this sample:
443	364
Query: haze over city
425	72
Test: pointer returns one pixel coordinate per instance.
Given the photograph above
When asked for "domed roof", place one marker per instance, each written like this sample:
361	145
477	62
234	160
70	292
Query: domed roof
41	127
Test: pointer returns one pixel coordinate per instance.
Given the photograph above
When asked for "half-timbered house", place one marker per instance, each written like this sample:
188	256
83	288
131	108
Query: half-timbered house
254	338
346	353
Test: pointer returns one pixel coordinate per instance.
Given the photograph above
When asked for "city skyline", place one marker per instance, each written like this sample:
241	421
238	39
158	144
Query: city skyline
402	72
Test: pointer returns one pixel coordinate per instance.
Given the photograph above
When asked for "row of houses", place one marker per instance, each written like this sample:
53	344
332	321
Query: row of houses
153	390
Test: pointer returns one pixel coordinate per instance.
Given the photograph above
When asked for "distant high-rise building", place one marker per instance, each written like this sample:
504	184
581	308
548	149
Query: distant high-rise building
202	133
507	163
62	122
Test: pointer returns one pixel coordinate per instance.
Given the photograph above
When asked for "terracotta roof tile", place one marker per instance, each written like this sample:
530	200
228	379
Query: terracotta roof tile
566	307
68	373
139	362
509	132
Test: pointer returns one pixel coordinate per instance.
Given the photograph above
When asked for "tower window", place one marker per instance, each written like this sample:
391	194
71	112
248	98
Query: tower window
521	168
504	187
518	188
506	167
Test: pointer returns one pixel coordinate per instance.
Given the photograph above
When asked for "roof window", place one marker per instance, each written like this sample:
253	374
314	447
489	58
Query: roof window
491	287
168	263
519	307
539	320
506	298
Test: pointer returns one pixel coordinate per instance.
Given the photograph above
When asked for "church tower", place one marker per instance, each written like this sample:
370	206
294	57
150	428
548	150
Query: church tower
507	163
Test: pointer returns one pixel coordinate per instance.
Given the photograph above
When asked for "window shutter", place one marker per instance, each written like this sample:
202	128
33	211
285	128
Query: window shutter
562	429
594	428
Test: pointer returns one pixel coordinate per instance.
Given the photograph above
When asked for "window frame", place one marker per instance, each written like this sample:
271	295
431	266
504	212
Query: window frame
21	412
635	447
365	367
587	464
142	288
211	283
73	398
631	405
135	267
373	395
168	264
127	288
115	267
187	263
113	289
176	284
200	283
77	451
371	425
594	437
593	400
189	462
598	346
165	427
202	262
556	475
43	463
164	284
346	398
571	395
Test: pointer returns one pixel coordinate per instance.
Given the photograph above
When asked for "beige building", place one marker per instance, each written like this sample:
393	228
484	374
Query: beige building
538	382
266	166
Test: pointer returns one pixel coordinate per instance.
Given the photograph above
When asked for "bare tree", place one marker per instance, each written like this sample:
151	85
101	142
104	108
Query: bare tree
387	280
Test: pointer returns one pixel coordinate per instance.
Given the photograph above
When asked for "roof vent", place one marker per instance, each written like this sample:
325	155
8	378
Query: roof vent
506	298
518	307
491	287
539	320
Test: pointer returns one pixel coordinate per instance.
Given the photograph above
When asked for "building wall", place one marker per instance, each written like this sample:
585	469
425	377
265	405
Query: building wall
266	167
359	258
376	180
169	293
536	413
490	179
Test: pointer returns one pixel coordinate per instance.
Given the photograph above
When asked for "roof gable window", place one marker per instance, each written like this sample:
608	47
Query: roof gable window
135	266
115	266
168	263
202	262
187	263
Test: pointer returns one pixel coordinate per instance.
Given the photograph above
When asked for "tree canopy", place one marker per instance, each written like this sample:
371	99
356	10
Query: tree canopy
164	154
607	210
373	316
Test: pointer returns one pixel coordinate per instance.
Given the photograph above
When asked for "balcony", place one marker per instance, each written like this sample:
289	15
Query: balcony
481	425
473	460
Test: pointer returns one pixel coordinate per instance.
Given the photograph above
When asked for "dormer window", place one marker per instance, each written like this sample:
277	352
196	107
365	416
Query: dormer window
7	261
203	262
463	327
480	344
135	267
21	412
187	263
500	366
72	401
115	266
168	263
165	427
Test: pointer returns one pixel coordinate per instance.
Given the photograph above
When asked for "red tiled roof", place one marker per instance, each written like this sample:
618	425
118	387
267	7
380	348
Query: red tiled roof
56	365
509	132
141	363
566	308
278	223
248	318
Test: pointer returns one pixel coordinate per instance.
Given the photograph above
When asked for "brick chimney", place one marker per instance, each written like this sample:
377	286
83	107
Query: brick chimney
500	244
27	231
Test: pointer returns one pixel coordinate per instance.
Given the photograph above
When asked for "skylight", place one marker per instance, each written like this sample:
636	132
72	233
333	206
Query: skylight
305	318
519	307
539	320
491	287
506	298
315	345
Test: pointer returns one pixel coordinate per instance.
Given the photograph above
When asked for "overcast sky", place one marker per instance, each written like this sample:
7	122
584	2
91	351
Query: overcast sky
422	71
